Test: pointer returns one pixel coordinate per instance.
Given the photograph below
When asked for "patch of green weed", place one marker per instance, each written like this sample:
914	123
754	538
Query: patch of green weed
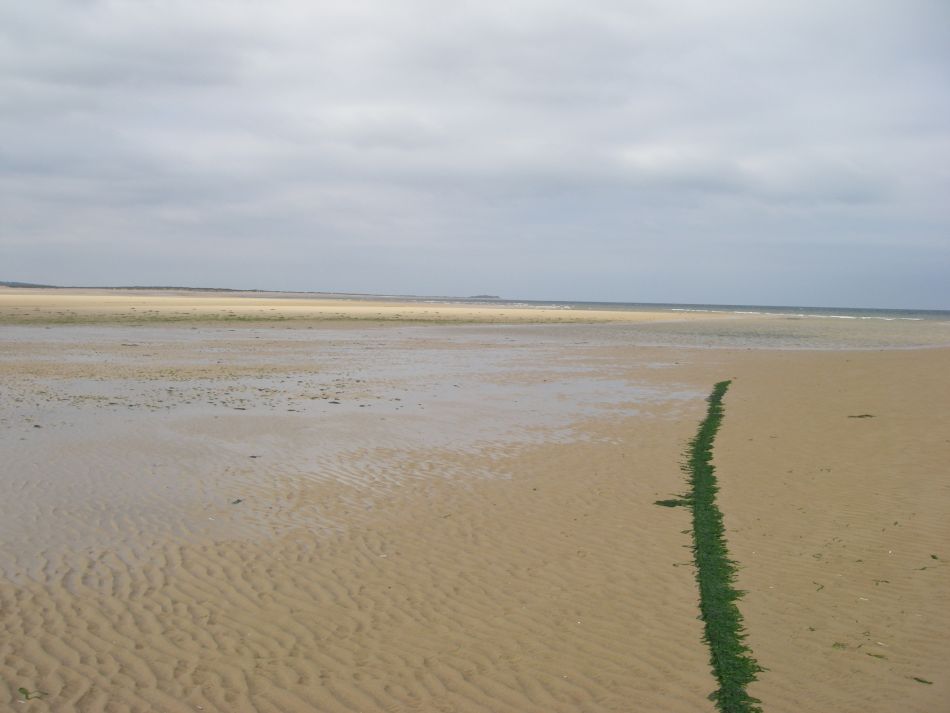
731	659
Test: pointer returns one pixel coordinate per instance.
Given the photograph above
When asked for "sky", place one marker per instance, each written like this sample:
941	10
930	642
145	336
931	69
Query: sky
794	152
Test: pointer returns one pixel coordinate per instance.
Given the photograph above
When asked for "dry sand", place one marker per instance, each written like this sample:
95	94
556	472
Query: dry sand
835	494
348	517
63	306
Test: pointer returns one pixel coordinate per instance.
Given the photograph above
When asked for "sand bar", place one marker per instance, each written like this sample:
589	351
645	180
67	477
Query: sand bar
63	306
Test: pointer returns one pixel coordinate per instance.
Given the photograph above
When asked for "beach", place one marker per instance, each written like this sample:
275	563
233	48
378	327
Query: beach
112	306
237	502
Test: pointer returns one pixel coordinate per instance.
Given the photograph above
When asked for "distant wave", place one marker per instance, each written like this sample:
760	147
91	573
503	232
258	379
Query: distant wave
936	316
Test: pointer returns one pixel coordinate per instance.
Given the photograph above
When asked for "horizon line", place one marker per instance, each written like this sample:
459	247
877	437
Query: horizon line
494	298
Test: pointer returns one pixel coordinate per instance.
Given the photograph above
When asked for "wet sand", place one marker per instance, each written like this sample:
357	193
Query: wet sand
344	516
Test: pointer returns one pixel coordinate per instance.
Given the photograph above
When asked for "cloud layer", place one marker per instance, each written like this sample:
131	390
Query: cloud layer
742	152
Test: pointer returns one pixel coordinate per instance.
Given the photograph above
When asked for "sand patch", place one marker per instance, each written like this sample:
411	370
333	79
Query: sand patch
74	306
832	474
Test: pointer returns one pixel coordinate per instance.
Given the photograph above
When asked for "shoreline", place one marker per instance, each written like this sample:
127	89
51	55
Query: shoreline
674	327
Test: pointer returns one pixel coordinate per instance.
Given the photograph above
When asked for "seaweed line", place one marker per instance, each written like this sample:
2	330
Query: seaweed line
731	659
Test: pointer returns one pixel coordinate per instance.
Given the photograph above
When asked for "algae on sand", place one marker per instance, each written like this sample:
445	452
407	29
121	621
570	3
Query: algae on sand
731	659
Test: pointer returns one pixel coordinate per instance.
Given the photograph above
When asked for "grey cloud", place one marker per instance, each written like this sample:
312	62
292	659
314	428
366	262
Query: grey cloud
616	137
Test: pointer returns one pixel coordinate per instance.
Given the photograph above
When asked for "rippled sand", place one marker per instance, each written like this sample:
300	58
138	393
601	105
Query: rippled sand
352	517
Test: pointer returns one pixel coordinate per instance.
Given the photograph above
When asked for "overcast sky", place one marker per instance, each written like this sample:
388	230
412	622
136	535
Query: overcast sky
786	152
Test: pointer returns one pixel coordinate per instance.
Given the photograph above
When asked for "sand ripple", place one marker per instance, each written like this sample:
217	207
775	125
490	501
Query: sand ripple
469	528
491	599
457	519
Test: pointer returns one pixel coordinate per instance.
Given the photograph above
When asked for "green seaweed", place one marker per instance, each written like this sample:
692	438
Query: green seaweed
30	695
673	502
730	658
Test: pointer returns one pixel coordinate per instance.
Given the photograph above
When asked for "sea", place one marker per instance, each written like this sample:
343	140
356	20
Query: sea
764	326
780	310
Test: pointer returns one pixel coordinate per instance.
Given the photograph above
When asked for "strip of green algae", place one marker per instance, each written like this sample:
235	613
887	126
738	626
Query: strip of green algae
731	659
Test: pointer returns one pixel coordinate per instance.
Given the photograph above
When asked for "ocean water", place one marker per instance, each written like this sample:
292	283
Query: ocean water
770	327
780	310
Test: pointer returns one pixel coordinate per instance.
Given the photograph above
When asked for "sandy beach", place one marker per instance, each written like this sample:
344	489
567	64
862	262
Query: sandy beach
228	502
90	306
